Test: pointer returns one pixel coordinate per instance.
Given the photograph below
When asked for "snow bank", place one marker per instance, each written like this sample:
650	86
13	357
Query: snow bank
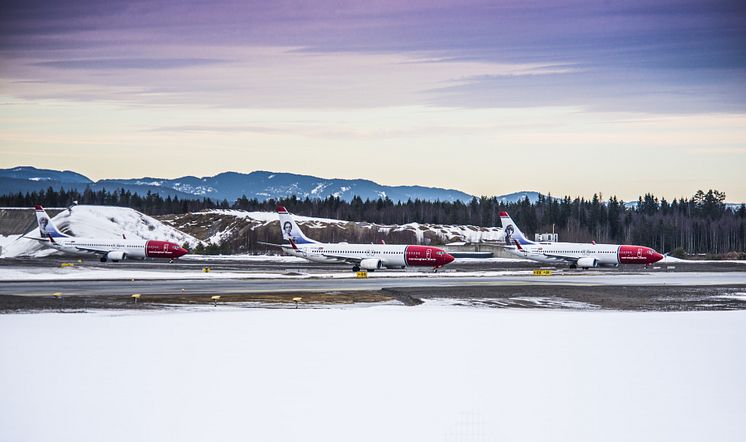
269	216
16	245
100	222
428	373
94	274
673	260
445	232
257	258
83	273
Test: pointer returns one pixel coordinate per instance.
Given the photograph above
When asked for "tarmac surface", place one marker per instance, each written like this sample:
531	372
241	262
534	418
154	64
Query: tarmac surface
696	286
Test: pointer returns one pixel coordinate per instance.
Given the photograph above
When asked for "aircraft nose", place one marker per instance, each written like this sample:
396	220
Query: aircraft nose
448	258
656	257
181	251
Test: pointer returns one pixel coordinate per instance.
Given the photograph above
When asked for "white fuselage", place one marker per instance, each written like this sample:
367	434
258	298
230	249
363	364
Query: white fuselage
133	249
391	256
605	254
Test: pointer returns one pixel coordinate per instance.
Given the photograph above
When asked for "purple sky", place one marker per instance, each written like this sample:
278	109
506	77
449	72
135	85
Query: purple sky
607	60
690	56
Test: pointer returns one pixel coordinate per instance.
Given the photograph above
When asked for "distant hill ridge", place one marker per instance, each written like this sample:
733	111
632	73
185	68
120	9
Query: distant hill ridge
261	185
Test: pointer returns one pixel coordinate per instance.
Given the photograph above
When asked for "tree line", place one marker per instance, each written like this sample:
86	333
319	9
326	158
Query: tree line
701	224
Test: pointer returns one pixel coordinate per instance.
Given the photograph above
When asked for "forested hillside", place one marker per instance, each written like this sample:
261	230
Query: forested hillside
699	224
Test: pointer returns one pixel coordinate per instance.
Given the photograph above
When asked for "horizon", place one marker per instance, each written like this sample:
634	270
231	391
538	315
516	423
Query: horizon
577	96
602	197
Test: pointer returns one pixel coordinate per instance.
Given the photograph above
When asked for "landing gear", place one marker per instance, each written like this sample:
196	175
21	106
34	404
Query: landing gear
170	261
356	268
573	266
103	259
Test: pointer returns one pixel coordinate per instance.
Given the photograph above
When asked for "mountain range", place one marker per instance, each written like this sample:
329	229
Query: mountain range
261	185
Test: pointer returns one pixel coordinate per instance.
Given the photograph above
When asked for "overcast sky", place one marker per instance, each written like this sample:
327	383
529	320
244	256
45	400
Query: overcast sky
569	97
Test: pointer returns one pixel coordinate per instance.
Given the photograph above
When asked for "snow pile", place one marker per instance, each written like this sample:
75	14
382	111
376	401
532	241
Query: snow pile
427	373
83	273
15	245
269	217
450	233
673	260
443	233
738	296
281	259
99	222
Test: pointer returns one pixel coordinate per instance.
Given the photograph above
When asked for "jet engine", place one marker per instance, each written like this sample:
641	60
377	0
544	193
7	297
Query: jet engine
115	256
585	263
370	264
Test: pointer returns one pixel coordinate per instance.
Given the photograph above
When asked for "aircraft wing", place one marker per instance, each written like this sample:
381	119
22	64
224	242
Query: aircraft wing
36	239
87	249
283	246
503	245
348	259
570	259
326	255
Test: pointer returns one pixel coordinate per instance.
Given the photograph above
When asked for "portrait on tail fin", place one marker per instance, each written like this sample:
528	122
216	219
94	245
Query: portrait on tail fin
43	222
47	229
508	235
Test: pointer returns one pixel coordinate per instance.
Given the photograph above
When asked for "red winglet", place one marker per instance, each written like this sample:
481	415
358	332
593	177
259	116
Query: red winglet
292	243
282	209
38	208
517	244
504	214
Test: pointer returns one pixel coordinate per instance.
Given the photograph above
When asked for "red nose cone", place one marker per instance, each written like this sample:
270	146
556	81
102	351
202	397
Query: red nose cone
656	257
181	251
447	259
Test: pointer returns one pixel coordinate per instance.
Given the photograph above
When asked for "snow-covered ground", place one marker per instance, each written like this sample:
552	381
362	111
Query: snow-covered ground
14	245
431	373
83	273
97	222
298	260
249	258
445	232
496	260
673	260
269	216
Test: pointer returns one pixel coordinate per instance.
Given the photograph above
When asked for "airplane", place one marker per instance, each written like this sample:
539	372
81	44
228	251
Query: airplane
581	255
108	249
368	257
